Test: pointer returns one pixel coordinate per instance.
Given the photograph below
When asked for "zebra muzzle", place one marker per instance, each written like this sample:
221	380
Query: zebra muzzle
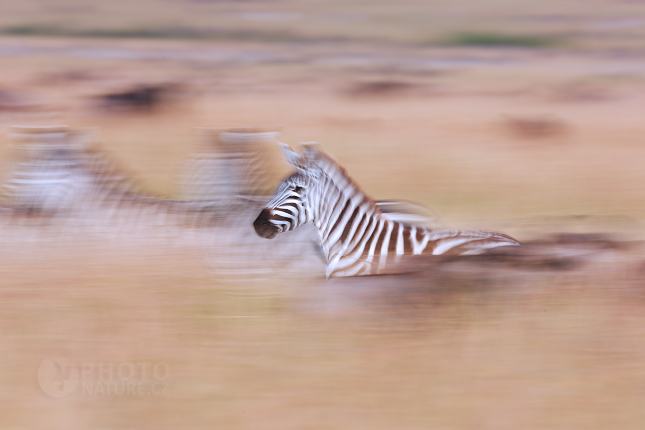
263	226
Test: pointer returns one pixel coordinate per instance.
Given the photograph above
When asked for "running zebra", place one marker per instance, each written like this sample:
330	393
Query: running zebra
355	236
42	180
232	165
59	175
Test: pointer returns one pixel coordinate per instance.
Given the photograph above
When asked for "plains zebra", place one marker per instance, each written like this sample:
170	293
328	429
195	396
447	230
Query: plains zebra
42	180
232	165
355	236
60	176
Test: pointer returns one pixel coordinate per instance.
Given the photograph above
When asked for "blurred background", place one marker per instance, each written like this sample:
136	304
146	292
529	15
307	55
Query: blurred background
518	116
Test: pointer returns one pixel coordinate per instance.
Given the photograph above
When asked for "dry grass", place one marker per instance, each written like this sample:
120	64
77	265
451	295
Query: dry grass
548	352
244	354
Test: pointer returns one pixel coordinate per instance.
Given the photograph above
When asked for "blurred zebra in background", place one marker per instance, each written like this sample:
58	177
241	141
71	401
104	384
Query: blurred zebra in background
59	170
60	178
42	180
356	238
231	166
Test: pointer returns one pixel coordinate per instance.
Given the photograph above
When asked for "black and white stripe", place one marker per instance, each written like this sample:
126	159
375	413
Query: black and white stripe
355	236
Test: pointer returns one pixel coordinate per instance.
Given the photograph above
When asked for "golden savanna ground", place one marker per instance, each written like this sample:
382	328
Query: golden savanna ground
523	118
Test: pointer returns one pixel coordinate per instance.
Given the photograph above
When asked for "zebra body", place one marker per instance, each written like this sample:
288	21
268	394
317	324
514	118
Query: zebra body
45	178
356	237
232	165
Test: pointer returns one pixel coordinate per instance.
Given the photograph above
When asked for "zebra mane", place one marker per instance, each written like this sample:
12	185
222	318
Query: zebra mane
332	169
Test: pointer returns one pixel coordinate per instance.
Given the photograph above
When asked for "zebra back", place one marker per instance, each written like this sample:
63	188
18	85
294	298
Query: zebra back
408	213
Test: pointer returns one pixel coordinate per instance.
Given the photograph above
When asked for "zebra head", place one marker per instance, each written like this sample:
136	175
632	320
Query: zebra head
290	205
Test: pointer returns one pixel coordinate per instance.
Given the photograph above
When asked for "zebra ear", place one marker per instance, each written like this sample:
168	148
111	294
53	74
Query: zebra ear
310	151
293	158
